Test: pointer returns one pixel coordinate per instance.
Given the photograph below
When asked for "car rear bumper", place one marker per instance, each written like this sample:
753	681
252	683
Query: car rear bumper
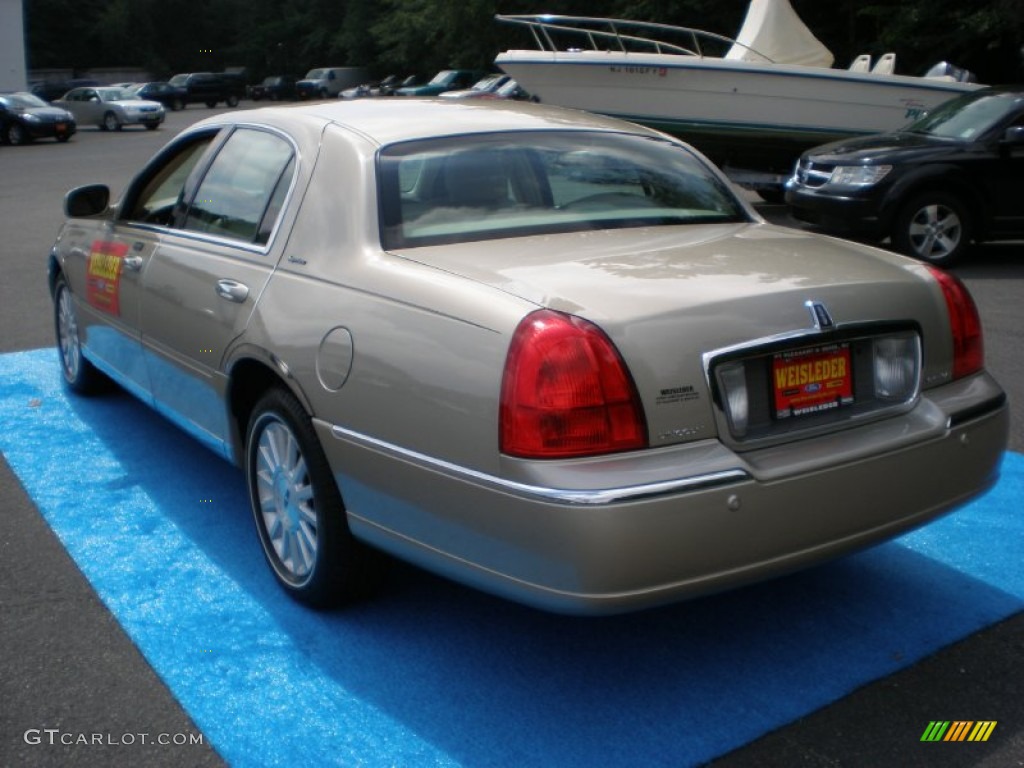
694	519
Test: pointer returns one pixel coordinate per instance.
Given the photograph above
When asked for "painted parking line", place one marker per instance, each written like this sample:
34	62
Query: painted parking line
434	674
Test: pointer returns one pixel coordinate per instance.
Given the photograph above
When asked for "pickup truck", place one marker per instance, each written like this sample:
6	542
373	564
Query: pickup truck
210	88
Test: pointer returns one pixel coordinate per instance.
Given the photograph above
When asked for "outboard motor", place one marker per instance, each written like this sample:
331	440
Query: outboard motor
946	71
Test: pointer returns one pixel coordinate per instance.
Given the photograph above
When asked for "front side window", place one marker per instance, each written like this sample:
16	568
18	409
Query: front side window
162	190
464	189
238	191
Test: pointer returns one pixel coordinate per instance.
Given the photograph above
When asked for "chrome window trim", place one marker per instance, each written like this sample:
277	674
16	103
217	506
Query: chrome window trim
583	497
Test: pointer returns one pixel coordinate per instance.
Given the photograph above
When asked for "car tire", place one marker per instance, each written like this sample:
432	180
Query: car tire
935	227
110	122
16	135
152	126
211	104
79	374
63	139
177	105
297	507
232	101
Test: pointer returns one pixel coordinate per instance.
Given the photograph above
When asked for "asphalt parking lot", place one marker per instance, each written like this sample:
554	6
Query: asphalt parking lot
66	663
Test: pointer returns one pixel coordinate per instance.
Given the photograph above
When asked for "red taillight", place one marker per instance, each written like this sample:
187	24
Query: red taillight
964	323
566	392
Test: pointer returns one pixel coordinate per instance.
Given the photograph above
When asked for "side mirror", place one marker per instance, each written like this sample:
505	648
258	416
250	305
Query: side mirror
1014	136
90	200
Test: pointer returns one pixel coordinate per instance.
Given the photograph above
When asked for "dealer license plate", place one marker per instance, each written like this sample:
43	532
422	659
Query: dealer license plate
812	380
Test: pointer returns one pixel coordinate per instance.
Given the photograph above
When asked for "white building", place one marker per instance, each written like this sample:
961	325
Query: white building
12	47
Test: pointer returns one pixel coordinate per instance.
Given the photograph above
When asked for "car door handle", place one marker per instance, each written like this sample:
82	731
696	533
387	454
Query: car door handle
232	290
133	263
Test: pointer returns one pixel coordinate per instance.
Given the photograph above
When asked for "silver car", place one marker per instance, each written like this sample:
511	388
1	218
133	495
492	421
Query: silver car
545	353
111	108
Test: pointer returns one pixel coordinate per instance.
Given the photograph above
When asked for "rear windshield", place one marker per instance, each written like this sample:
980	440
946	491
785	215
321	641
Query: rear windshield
464	189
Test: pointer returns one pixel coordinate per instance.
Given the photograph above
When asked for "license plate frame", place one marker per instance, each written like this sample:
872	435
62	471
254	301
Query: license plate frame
811	380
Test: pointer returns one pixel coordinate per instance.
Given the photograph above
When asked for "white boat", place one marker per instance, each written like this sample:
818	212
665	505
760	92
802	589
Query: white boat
751	104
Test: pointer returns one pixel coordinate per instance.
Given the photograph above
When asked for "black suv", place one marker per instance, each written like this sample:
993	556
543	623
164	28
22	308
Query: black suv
275	88
209	88
953	176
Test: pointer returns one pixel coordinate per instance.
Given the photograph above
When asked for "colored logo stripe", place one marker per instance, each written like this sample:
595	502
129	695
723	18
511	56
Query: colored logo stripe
935	730
982	730
958	730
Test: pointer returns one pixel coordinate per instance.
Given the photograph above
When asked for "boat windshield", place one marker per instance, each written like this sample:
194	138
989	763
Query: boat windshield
966	117
465	189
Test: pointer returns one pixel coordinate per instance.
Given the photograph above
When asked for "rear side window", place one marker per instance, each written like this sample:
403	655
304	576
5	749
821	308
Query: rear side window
471	188
242	192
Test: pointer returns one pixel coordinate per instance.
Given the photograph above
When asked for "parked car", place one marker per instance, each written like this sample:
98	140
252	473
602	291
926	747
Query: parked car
491	87
171	96
543	352
49	90
391	88
273	88
383	87
486	84
209	88
111	108
951	177
24	117
328	82
446	80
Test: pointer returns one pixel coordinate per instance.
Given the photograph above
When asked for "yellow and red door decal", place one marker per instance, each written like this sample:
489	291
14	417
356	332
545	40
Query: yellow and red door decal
103	276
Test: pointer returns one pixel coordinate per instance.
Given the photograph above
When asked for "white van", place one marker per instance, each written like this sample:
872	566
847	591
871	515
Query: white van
328	82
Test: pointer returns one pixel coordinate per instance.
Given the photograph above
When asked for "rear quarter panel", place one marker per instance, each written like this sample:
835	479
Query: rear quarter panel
416	354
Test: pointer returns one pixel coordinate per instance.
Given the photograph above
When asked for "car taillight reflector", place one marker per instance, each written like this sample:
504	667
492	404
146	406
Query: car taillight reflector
566	392
965	324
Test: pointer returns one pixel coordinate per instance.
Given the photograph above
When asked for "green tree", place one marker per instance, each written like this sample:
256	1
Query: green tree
401	36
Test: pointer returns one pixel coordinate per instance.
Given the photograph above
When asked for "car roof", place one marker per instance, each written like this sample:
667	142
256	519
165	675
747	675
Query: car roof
386	121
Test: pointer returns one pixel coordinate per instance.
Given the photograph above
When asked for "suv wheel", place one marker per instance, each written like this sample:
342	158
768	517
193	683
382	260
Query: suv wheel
232	101
935	227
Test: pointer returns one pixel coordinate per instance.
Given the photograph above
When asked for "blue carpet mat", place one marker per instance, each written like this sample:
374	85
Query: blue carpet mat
435	674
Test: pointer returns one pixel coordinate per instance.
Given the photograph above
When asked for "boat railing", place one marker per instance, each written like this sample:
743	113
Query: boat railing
624	35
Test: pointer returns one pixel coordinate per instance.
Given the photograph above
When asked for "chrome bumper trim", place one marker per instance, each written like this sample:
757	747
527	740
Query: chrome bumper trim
558	495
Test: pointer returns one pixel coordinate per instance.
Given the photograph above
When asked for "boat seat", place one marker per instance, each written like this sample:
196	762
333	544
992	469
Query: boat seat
862	63
885	65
